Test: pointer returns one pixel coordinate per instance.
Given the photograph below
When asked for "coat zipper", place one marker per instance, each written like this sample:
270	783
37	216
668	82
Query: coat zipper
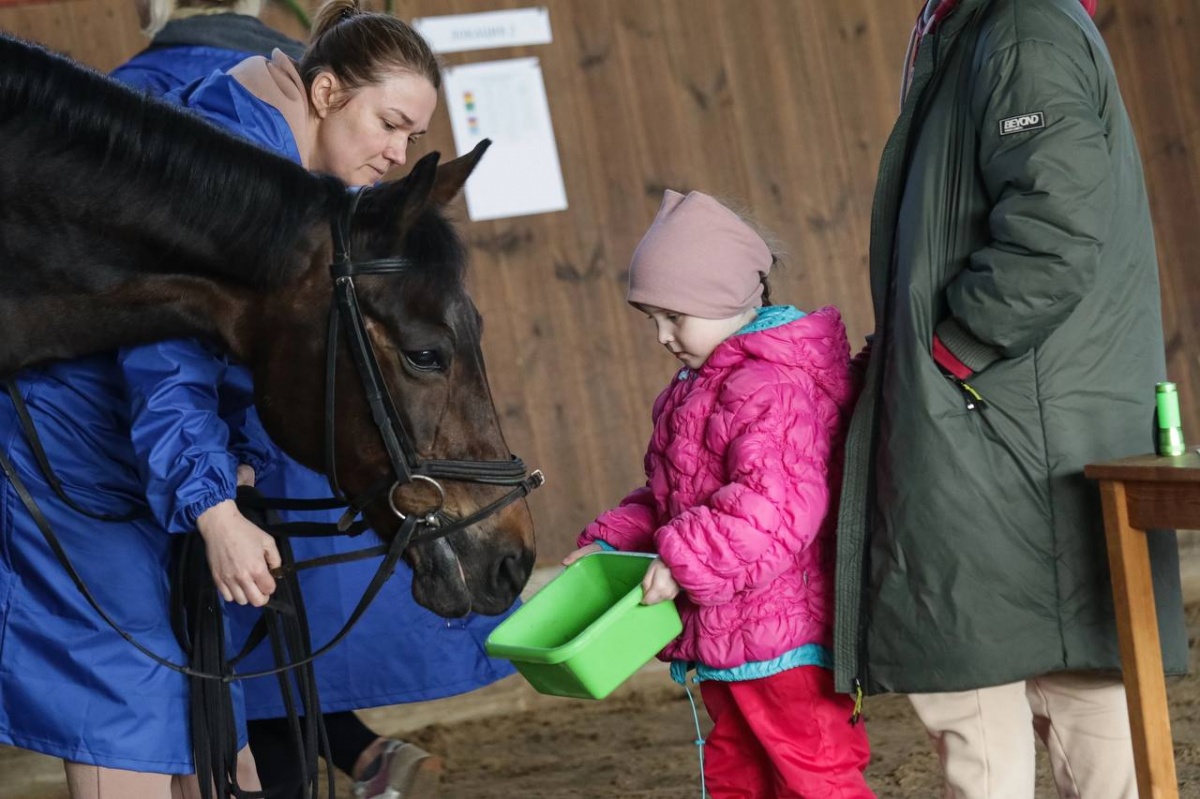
971	398
858	702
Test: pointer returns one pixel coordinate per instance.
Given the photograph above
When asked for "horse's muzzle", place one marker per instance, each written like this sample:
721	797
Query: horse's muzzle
457	575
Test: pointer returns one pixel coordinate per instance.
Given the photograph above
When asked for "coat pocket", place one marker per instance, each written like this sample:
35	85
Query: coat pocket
1011	415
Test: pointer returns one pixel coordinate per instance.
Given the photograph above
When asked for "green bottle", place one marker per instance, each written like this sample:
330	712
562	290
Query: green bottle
1170	431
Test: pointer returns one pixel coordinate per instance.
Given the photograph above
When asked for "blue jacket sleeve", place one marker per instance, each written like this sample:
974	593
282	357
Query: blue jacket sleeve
248	440
180	440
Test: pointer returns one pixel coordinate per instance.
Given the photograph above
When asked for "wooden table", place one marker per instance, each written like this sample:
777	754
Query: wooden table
1142	493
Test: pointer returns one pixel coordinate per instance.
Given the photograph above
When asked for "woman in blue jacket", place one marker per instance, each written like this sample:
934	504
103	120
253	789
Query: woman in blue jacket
169	429
398	652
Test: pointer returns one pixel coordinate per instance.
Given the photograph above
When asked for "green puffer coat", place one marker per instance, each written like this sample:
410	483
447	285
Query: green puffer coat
1011	219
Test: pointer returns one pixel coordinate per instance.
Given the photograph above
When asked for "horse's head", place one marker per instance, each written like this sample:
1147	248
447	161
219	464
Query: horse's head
402	267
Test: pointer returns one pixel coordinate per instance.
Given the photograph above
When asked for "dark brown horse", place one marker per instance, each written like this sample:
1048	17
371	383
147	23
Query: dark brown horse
124	220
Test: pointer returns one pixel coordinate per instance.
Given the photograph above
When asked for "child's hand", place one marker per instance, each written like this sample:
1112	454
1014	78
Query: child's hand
659	584
579	553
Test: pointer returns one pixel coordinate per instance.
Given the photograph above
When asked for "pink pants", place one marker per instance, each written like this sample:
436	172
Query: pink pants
985	737
787	736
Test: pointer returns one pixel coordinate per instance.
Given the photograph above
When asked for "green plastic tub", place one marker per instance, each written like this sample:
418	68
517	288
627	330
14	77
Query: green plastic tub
586	631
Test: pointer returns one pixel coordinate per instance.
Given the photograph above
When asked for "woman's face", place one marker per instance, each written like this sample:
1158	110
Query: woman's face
364	133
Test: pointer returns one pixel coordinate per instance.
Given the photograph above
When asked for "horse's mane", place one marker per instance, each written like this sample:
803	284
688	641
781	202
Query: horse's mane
162	161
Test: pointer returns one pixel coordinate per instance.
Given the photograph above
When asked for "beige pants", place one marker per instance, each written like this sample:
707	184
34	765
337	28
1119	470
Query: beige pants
98	782
983	737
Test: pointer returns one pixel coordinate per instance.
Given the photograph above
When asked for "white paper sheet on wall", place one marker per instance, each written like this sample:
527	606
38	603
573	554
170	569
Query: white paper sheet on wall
505	101
455	33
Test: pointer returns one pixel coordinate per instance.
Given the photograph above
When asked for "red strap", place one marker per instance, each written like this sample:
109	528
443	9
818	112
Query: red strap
949	361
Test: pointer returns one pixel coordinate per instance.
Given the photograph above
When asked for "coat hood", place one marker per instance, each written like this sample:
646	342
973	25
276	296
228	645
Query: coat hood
277	83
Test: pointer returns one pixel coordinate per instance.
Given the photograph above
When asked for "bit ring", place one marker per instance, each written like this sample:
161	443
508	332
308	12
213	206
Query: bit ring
430	516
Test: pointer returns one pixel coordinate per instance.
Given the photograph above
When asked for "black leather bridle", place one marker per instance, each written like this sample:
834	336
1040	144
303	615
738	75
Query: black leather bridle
407	464
345	315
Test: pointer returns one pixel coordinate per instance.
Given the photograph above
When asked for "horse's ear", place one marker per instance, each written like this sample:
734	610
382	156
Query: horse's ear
453	174
421	179
416	187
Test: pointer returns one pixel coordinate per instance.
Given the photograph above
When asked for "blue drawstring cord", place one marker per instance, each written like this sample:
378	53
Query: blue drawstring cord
699	739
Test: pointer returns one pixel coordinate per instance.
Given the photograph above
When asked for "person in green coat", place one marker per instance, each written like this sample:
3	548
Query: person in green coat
1018	337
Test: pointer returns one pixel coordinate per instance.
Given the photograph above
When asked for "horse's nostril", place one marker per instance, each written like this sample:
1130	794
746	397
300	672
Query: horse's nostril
511	571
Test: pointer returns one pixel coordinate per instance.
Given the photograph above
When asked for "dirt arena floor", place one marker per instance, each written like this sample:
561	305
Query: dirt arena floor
637	744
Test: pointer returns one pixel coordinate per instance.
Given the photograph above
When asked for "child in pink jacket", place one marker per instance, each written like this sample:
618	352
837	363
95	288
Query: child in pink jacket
740	504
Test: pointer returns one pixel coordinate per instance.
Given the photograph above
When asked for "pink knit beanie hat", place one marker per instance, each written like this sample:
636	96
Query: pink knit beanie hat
698	258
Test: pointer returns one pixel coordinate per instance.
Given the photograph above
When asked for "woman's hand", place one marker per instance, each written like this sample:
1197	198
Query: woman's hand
579	553
240	555
659	584
245	475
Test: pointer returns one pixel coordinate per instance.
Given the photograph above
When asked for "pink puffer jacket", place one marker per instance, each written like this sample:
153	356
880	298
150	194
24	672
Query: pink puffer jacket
743	470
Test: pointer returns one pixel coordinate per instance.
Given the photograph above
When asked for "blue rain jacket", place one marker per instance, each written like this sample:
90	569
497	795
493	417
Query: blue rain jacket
398	651
162	69
69	686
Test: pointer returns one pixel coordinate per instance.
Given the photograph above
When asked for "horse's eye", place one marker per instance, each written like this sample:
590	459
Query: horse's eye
425	360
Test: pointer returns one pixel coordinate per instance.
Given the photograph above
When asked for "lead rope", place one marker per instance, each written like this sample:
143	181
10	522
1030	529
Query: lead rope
699	740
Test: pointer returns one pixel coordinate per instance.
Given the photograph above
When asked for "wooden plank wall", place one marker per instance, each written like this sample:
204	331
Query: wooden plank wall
782	104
